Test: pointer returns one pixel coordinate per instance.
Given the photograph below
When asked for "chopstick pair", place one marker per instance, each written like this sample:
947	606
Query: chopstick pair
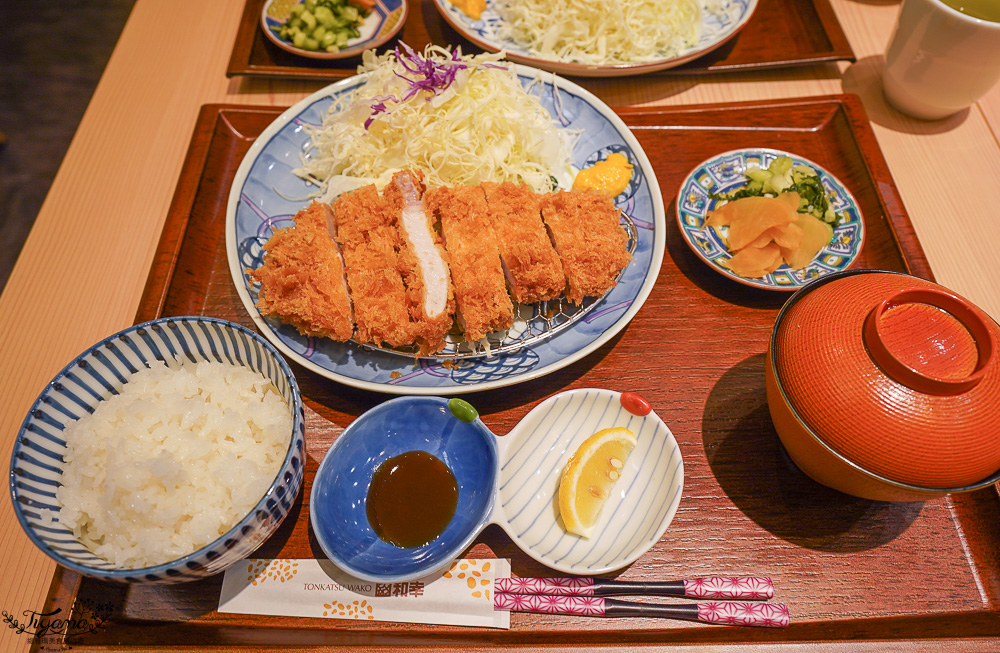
585	596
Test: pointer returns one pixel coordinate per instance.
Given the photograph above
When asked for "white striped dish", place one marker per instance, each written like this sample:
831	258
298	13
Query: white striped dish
522	491
37	460
639	510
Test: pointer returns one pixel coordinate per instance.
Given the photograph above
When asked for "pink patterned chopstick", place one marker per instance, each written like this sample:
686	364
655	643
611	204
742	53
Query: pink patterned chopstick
734	613
701	588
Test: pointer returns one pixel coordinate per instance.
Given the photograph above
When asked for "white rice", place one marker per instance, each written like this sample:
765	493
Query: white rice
172	462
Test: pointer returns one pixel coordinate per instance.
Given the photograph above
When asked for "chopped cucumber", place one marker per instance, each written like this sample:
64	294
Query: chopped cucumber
322	25
781	176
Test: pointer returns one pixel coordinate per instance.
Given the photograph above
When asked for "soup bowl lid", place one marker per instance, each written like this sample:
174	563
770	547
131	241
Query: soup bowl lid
897	374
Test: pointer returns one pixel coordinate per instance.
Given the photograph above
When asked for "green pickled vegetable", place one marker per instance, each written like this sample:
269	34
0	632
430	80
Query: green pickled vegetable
322	25
784	176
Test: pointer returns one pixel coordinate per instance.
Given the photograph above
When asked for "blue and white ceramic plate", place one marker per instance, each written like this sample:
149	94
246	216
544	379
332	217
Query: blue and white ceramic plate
384	21
511	481
724	173
721	21
259	201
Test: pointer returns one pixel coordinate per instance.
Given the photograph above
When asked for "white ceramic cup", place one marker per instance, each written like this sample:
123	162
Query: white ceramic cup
939	60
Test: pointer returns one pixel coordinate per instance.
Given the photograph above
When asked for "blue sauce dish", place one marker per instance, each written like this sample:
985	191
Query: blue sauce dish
337	506
511	481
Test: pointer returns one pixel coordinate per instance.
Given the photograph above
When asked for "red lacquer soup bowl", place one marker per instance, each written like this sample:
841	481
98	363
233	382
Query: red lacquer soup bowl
886	386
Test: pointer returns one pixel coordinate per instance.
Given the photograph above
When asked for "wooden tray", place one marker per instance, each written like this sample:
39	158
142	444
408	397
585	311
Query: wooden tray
781	33
850	569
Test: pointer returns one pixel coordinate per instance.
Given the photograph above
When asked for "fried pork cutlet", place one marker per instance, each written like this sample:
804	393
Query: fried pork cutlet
422	261
369	239
302	278
588	236
530	263
480	289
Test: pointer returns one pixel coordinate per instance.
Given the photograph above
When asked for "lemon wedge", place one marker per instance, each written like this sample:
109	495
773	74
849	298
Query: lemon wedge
589	477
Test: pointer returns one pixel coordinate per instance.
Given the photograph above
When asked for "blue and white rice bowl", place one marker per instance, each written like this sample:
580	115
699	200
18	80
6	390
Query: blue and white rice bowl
37	463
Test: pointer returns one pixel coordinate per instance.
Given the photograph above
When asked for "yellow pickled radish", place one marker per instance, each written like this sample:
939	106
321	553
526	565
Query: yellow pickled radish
589	477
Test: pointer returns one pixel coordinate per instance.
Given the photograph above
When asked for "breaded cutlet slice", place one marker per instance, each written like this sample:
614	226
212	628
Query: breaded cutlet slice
592	245
480	289
302	278
530	262
423	262
368	237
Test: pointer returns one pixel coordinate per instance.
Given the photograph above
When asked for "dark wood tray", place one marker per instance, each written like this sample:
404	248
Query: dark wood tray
851	570
781	33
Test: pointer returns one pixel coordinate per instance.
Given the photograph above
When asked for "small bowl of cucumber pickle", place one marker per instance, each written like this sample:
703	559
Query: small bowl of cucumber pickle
331	29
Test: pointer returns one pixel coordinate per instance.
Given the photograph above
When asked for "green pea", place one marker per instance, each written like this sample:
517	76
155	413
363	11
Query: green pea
462	409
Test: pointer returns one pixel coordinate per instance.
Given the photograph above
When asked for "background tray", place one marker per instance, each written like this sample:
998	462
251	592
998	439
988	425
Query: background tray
781	33
851	570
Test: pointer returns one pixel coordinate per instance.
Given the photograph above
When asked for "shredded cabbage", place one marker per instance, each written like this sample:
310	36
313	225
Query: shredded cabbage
600	32
459	119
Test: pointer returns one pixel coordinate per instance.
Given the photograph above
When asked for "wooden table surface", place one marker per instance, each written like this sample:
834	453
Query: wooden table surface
82	271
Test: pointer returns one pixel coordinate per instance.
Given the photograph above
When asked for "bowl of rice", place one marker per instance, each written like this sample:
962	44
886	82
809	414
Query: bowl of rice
164	453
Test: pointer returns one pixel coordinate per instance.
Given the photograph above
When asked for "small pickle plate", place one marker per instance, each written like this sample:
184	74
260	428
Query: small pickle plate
381	24
724	173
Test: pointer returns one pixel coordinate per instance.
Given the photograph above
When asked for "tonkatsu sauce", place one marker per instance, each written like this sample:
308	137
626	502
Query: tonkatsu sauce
412	499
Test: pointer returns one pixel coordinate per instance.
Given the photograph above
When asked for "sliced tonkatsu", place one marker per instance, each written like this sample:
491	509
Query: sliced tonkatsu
368	236
586	231
480	287
302	278
423	262
530	262
400	267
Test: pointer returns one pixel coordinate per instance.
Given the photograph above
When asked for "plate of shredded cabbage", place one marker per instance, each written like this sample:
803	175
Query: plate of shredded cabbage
598	38
461	120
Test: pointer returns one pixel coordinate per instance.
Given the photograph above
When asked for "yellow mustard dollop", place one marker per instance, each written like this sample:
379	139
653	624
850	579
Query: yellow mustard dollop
471	8
611	175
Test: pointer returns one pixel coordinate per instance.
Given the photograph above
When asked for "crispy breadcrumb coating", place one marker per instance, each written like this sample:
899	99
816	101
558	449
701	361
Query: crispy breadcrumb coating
480	288
586	231
369	239
302	278
530	262
423	263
